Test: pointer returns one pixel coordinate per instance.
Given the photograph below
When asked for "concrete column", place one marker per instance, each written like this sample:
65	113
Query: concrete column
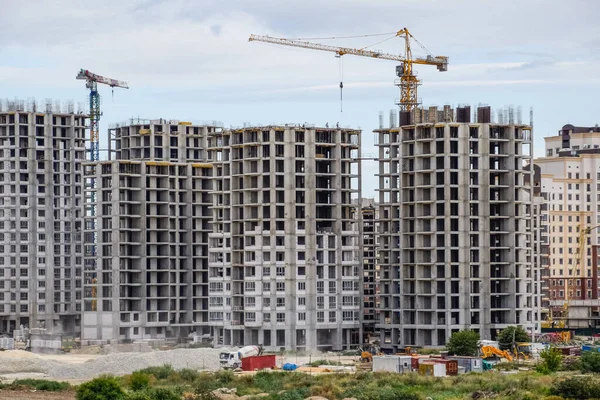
311	241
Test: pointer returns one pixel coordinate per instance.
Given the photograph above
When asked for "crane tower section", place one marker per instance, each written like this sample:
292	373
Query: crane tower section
91	83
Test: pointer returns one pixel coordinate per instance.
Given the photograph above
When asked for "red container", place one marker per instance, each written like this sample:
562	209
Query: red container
416	361
451	365
257	363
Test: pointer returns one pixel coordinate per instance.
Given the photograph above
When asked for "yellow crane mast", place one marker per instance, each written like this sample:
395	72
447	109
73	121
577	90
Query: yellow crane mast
579	275
408	81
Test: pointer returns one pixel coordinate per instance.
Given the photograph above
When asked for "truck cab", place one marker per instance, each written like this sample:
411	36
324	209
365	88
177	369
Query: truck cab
233	359
230	360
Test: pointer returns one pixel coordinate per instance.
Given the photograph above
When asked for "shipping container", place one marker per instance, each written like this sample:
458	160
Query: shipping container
431	368
256	363
398	364
470	364
416	360
451	365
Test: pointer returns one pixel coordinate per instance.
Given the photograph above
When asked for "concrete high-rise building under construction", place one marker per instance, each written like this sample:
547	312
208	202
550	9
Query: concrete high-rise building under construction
41	217
146	243
248	236
285	248
455	226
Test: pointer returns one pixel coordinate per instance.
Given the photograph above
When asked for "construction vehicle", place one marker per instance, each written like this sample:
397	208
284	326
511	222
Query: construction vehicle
408	82
367	353
525	351
491	351
407	351
233	359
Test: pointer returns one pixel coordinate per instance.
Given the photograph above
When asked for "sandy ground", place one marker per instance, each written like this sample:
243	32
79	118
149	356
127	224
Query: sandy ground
75	359
67	358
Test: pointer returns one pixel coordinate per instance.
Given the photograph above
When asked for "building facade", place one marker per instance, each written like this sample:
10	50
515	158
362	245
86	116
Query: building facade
285	250
147	234
455	227
570	175
41	218
370	266
541	242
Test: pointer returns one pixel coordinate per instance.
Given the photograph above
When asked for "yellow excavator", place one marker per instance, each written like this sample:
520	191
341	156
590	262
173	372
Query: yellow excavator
491	351
367	353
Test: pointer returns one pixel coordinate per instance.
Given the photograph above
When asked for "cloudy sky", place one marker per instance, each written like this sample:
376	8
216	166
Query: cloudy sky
190	59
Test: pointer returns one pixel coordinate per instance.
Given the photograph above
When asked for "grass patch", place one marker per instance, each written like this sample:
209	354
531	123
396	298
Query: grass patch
280	385
317	363
37	384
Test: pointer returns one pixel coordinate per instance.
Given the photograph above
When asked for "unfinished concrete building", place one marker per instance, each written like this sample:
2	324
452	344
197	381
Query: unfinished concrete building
285	248
370	269
455	226
41	217
146	274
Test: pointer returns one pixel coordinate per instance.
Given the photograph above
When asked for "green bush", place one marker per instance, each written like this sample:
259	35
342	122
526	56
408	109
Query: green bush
224	377
139	381
269	381
205	394
205	383
512	334
103	388
551	361
189	375
590	361
161	372
40	384
463	343
576	388
316	363
295	394
164	394
141	395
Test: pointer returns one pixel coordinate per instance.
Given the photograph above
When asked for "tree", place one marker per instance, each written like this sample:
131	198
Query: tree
139	381
103	388
510	335
463	343
551	361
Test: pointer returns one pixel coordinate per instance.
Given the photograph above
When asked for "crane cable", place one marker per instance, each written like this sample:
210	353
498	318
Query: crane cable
341	83
381	41
344	37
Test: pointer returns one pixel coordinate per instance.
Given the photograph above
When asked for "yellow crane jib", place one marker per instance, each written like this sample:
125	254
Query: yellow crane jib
408	82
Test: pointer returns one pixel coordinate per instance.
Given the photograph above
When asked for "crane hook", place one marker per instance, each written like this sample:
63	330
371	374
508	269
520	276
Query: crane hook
341	96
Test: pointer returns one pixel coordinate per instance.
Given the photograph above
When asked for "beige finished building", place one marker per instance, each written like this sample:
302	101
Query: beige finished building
570	180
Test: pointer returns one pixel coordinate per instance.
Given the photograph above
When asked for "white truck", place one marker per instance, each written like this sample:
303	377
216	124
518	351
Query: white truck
233	359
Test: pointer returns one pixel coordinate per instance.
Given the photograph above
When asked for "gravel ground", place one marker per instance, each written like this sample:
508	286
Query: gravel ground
116	364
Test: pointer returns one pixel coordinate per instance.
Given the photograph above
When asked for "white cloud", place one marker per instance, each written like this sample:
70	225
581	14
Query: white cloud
501	52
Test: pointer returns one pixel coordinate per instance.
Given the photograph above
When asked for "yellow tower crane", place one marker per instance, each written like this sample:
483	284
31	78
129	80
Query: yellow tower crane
408	81
563	319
